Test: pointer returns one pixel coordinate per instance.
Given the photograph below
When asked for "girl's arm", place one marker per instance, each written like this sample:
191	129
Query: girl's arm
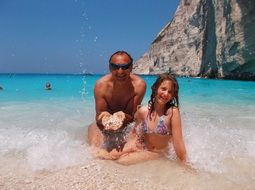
178	141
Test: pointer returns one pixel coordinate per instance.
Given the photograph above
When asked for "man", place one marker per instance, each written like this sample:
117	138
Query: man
119	92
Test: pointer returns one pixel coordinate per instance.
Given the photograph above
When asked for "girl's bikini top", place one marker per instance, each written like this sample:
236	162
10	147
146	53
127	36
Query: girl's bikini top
160	129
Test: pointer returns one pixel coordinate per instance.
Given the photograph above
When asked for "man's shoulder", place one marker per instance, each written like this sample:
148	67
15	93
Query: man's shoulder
137	80
103	81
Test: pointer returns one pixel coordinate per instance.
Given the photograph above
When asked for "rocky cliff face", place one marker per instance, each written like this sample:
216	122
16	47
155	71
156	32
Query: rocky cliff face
207	38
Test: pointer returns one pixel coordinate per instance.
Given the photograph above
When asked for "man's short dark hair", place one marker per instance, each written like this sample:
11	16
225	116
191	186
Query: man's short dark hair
121	53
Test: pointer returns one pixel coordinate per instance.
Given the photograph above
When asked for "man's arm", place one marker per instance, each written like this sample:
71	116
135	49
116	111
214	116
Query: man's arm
100	102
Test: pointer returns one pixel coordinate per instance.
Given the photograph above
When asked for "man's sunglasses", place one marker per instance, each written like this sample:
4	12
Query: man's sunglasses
122	66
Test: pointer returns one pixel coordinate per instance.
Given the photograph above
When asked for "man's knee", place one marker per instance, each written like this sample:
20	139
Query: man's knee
95	136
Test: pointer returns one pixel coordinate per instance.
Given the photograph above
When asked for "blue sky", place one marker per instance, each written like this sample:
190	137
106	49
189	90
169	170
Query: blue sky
76	36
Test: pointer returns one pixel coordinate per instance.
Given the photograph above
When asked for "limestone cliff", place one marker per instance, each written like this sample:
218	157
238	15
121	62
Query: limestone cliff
207	38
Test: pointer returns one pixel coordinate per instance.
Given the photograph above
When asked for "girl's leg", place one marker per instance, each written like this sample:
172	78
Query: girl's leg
137	157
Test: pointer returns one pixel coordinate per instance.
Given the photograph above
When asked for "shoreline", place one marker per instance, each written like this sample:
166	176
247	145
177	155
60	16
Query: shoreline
244	78
104	174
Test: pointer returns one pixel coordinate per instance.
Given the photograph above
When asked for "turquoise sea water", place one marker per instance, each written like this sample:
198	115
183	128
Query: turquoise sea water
46	129
30	87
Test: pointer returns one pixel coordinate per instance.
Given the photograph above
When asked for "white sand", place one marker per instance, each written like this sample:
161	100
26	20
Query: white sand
103	174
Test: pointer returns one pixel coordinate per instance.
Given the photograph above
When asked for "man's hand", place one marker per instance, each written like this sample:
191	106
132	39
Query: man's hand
125	118
111	122
115	121
104	114
120	115
102	119
105	118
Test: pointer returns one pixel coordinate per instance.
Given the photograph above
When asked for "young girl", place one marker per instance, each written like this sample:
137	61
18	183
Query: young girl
158	123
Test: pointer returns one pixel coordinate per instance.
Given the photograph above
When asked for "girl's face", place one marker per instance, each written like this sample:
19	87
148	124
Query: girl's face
165	92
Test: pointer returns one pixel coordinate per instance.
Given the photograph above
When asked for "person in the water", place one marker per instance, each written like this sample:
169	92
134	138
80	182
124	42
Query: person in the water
157	125
117	95
48	86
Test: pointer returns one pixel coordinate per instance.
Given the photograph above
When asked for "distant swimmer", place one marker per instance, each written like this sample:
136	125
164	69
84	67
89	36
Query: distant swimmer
48	86
1	88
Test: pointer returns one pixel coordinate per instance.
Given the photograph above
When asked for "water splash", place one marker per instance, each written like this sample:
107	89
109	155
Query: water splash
214	140
83	89
52	141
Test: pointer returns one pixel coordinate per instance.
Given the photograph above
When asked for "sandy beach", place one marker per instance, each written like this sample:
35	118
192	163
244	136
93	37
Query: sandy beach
103	174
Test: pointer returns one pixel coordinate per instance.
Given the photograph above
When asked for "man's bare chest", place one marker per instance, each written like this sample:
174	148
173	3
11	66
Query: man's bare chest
120	101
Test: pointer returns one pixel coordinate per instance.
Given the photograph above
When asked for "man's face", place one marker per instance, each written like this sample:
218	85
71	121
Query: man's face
120	67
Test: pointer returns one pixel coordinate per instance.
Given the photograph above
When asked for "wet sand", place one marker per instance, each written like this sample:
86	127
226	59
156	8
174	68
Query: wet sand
103	174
